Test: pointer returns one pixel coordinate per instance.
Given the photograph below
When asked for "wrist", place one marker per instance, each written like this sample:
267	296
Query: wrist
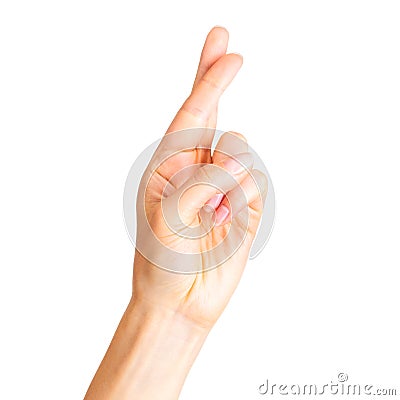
161	348
161	318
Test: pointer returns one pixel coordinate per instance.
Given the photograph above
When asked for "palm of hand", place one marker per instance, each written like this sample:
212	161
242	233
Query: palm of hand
180	185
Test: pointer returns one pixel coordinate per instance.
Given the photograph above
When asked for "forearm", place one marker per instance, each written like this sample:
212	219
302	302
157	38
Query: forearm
149	356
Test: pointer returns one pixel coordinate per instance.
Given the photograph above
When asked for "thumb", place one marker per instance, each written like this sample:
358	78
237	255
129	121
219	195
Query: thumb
206	182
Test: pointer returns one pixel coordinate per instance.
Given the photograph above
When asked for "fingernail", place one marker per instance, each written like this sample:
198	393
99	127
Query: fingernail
238	54
221	215
238	163
219	26
215	201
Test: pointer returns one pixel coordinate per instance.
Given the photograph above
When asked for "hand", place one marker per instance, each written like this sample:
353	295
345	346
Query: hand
186	191
198	214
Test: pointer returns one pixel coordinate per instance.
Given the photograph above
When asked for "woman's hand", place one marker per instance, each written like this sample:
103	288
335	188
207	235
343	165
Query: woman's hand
197	211
198	214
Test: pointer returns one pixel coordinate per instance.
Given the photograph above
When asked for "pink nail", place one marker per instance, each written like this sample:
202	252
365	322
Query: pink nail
222	214
215	201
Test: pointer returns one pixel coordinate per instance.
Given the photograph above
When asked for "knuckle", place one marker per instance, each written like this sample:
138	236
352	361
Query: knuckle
205	173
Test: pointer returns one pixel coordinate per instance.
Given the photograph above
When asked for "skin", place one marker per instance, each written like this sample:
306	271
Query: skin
169	314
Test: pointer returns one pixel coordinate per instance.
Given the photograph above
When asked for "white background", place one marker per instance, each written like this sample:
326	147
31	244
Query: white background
86	85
